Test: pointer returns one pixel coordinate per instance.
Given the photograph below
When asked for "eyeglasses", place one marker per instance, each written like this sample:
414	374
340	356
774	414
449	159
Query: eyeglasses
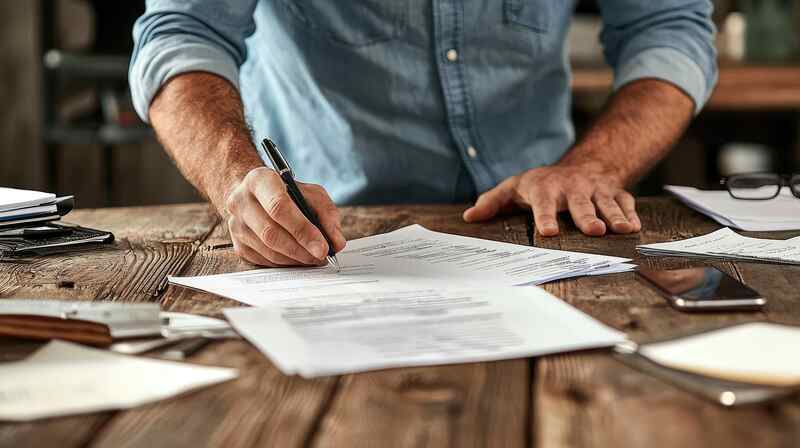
761	186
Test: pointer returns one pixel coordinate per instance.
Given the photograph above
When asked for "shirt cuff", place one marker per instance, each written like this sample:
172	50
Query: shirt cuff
158	62
669	65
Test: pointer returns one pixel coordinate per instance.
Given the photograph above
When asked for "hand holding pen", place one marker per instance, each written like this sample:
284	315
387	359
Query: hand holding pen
268	228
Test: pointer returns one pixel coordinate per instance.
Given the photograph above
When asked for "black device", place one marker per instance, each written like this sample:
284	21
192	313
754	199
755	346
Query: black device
280	165
32	233
703	289
50	238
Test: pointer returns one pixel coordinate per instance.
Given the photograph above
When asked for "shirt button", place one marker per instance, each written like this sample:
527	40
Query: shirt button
472	152
452	55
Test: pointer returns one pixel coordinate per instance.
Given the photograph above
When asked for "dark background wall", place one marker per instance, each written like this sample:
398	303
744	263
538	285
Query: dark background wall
142	172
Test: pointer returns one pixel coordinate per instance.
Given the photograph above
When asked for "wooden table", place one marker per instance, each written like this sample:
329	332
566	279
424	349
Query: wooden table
578	399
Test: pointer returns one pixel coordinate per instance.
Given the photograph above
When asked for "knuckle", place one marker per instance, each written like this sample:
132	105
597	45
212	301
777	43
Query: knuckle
233	224
295	252
270	236
602	197
260	177
277	205
238	250
579	201
232	202
305	232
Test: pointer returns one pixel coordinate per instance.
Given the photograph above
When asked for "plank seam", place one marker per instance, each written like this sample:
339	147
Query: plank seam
99	430
197	247
324	409
530	415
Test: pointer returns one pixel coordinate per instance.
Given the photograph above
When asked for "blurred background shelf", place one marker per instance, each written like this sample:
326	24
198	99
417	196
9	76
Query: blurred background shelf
89	66
741	87
67	124
105	134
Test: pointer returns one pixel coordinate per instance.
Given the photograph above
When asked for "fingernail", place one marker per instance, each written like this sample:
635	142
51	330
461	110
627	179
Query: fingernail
619	224
317	249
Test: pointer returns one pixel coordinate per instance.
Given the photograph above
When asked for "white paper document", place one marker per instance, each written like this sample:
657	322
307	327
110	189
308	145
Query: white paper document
760	353
780	213
410	257
727	244
13	199
334	334
64	379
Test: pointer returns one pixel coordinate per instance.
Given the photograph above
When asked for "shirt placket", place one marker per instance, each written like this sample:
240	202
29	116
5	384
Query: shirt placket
449	37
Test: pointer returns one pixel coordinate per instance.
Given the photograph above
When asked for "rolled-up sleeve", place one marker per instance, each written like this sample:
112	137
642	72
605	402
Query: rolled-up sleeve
671	40
174	37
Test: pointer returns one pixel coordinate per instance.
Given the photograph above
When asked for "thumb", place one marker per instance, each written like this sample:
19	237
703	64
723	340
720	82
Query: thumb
490	203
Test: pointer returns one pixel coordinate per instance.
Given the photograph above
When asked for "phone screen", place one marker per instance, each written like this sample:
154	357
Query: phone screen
699	284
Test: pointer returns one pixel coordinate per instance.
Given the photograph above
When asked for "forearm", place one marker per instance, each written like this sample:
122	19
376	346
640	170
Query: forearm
199	119
636	129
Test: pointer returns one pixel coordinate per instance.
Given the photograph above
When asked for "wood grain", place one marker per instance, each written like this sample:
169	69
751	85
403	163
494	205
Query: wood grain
432	406
260	408
588	399
151	242
576	399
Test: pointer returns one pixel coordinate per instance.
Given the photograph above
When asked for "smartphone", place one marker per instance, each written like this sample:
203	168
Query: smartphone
44	231
703	289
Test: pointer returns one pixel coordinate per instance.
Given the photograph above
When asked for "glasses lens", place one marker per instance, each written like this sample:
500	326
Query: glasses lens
754	186
794	184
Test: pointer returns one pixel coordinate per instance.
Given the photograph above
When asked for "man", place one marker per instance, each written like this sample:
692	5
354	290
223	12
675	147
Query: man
412	101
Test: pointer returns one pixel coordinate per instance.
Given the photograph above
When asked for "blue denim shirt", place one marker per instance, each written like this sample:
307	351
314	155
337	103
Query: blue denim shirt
385	101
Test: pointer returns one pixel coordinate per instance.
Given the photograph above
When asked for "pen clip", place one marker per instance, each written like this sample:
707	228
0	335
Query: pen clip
278	162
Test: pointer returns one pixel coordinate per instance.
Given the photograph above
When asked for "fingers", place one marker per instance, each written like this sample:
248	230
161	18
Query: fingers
584	214
266	221
271	194
611	213
628	205
491	202
247	246
270	240
326	211
544	205
249	255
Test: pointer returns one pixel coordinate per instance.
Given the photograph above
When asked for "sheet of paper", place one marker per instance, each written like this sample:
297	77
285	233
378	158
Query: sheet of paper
410	256
760	353
65	379
725	243
781	213
343	333
13	198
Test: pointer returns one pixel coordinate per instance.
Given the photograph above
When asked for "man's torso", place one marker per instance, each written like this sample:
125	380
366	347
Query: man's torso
434	99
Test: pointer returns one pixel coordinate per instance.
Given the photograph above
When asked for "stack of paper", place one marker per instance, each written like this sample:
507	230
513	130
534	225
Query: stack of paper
727	244
412	297
361	330
26	207
19	206
63	378
759	353
415	256
781	213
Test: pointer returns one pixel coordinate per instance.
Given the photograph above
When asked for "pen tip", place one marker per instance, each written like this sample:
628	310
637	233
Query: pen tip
335	263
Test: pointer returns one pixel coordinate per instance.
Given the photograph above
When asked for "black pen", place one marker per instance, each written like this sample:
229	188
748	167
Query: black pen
282	167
